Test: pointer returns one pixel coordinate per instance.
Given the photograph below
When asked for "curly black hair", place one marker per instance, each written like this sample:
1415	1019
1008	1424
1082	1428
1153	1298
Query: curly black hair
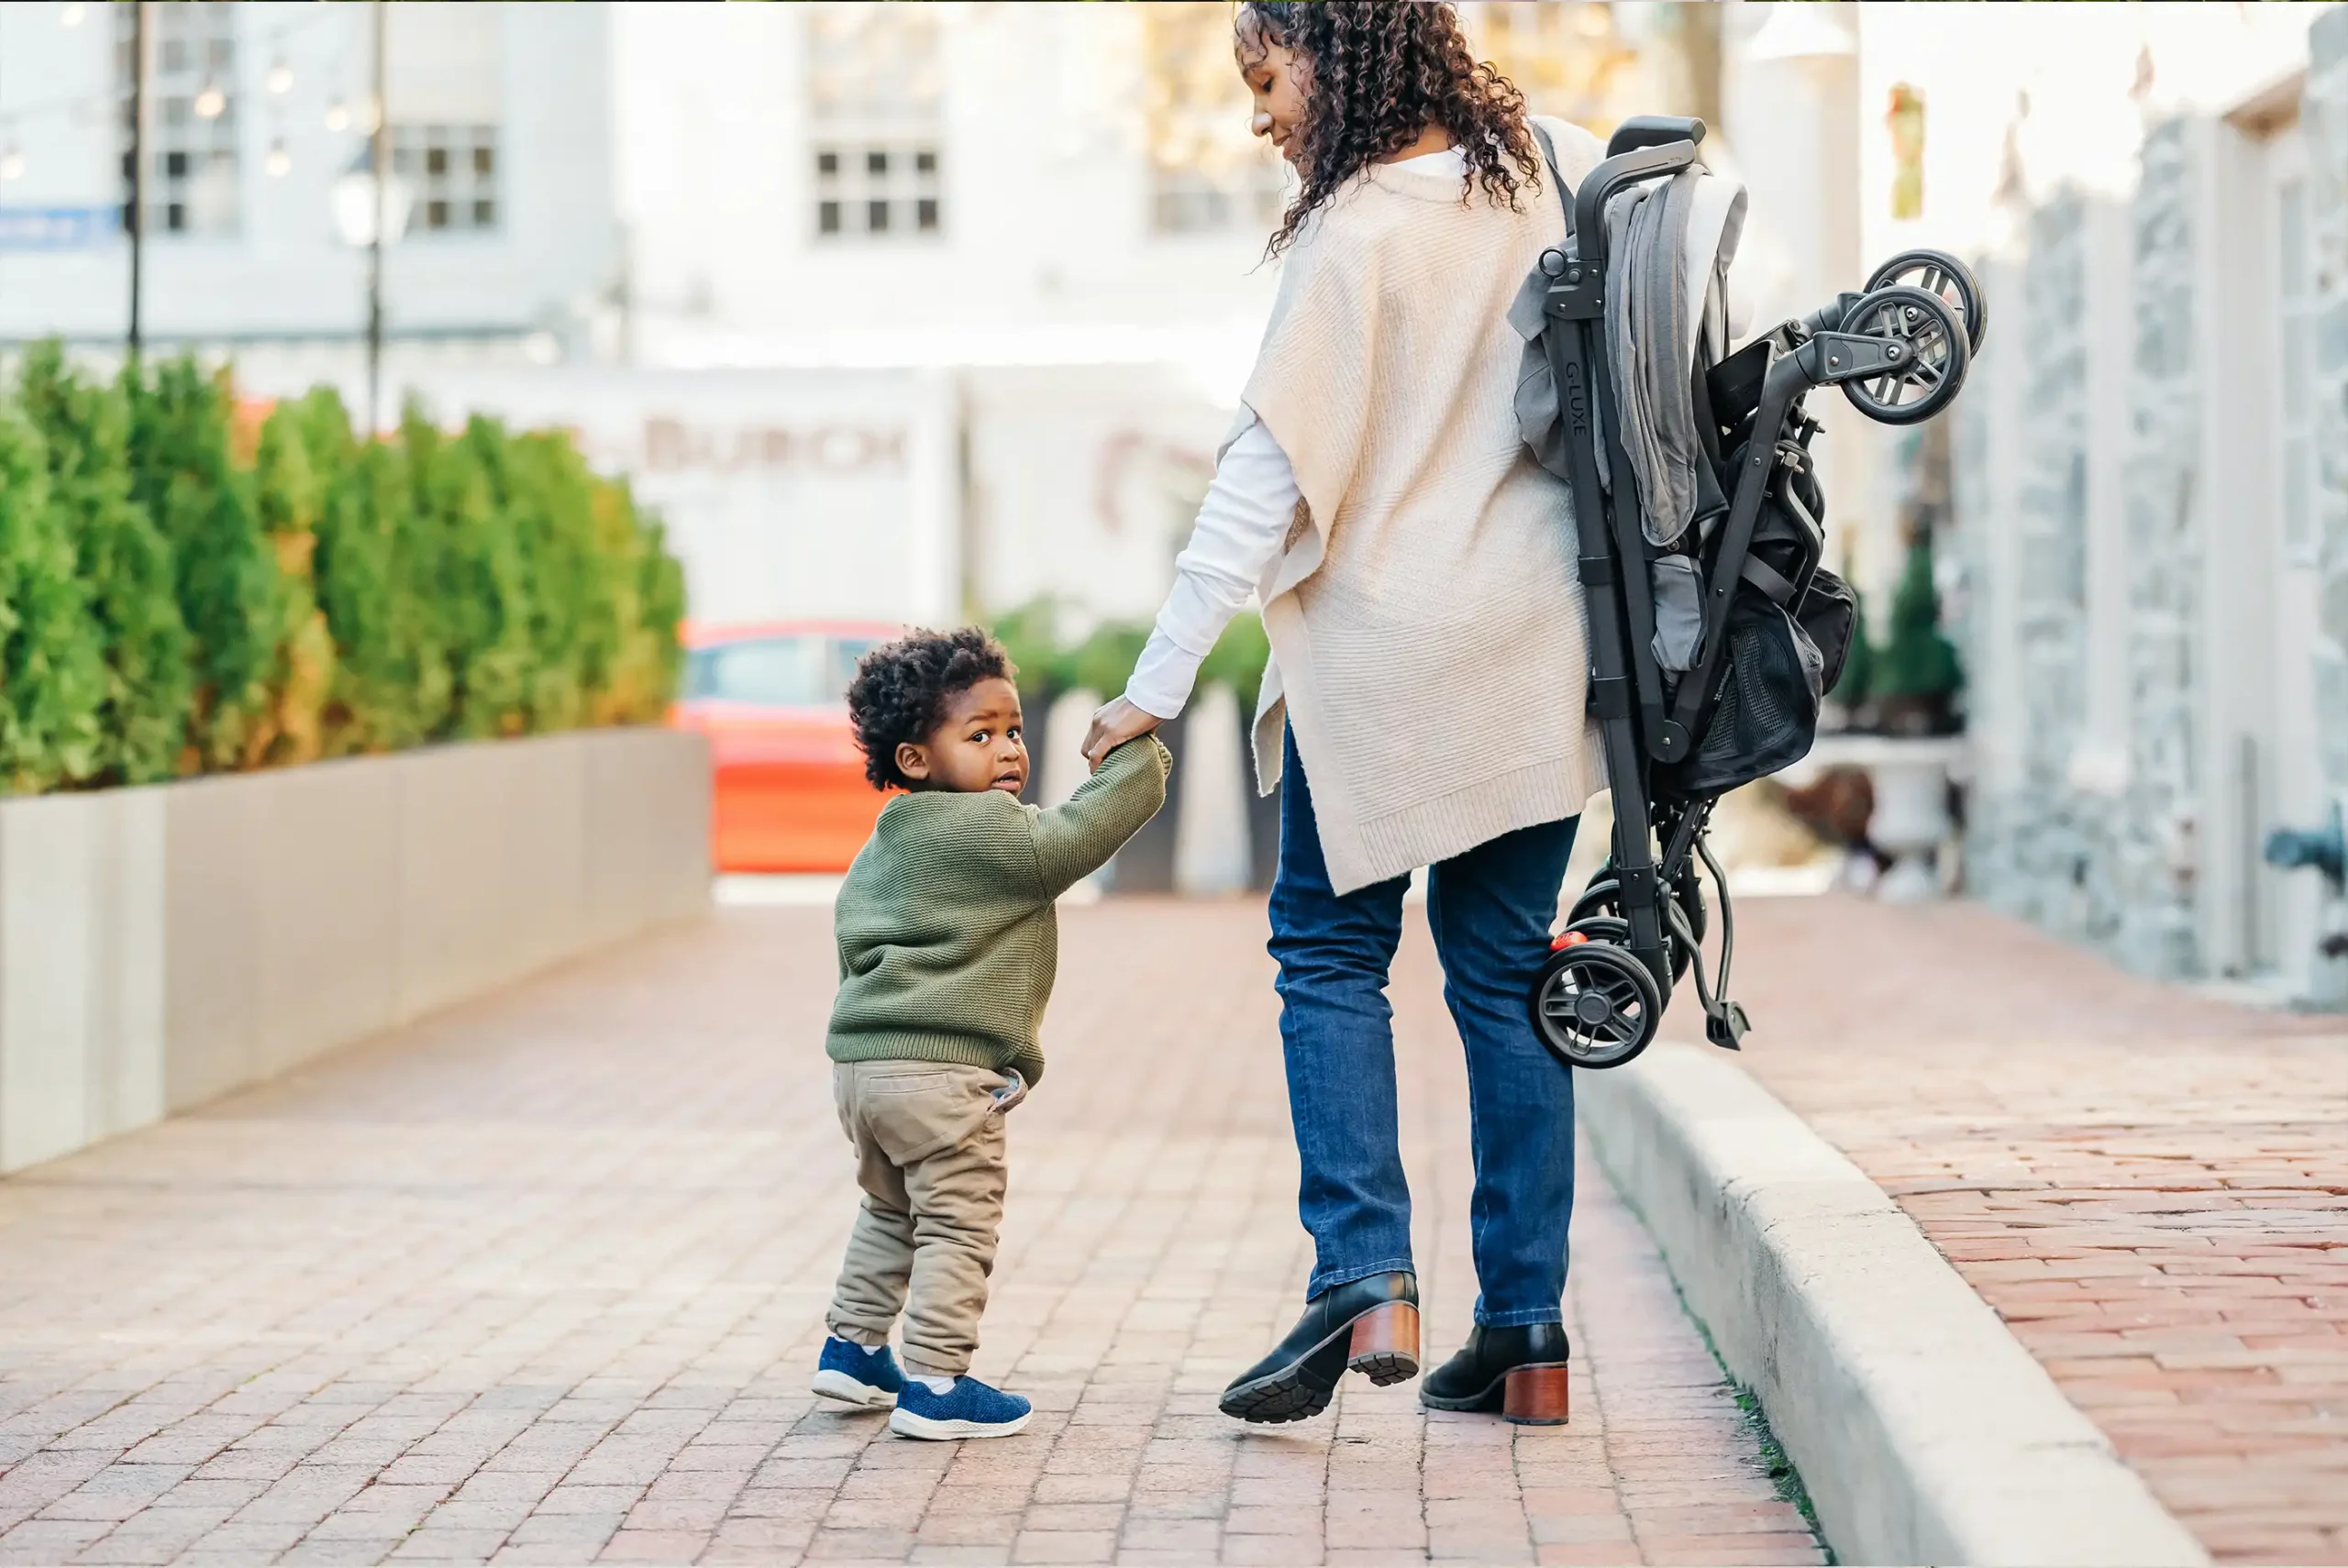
901	690
1378	73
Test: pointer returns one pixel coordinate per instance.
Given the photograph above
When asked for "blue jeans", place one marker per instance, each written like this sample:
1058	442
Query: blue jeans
1490	909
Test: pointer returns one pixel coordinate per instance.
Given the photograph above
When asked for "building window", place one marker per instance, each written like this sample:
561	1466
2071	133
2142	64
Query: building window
453	172
192	181
1207	173
873	107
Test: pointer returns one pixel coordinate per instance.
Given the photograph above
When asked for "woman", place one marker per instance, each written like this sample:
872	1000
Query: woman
1425	699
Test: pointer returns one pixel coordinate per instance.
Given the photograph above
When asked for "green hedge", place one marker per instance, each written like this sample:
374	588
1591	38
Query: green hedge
185	590
1050	663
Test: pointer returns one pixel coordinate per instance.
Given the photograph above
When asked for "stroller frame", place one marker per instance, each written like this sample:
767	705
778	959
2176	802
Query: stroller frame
1642	720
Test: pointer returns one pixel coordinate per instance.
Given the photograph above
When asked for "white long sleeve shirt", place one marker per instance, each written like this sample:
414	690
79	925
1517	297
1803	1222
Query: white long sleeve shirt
1241	525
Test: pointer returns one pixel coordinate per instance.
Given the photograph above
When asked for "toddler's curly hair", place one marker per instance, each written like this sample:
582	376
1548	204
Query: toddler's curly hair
901	690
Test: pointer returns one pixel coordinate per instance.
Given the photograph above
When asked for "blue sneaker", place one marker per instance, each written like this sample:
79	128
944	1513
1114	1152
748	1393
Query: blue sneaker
854	1376
968	1409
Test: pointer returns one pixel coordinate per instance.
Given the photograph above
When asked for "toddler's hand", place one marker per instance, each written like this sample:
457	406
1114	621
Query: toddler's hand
1115	723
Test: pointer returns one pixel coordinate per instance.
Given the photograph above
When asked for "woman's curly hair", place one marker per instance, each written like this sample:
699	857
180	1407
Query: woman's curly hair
901	690
1378	74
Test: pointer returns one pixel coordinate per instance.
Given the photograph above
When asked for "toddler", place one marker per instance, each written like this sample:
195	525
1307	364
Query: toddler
948	945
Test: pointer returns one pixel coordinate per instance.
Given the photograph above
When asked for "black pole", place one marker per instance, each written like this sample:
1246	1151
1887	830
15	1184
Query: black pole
383	165
136	216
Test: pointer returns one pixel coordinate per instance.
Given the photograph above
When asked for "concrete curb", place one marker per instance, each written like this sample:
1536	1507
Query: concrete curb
1922	1429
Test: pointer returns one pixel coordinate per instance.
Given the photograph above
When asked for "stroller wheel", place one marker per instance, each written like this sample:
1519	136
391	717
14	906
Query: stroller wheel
1616	930
1937	272
1934	367
1603	899
1595	1005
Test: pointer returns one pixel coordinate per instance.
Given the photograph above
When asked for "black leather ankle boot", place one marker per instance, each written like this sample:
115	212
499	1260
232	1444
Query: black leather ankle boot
1518	1372
1370	1326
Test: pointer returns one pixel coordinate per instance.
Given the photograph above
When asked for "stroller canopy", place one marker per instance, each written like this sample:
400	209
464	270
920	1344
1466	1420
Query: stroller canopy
1670	246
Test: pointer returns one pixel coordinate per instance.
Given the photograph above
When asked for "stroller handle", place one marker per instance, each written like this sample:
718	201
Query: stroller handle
1644	160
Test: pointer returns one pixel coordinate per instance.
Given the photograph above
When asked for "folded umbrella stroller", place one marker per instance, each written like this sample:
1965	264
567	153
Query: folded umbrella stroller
1714	630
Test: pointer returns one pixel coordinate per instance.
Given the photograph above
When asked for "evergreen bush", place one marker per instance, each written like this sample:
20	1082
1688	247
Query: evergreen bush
1916	664
53	664
125	565
183	473
186	586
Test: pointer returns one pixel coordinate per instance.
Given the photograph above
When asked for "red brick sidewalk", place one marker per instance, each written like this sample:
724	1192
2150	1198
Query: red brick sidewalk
2151	1187
541	1281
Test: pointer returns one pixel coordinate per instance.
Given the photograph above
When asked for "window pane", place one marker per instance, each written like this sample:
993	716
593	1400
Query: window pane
435	160
926	214
435	215
784	672
484	162
876	163
827	163
175	217
827	217
876	217
926	162
845	653
484	215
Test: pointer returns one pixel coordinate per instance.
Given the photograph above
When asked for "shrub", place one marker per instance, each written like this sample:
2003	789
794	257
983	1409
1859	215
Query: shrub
225	572
52	666
1238	658
1916	661
302	665
125	565
186	586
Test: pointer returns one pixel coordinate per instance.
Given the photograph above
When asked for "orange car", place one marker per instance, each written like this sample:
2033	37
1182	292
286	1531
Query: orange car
791	792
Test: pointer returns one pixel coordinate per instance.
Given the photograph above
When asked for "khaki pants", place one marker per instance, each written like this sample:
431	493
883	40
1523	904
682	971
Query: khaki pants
930	1157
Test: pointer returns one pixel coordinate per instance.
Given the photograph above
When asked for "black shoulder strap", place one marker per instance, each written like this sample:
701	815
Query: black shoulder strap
1549	156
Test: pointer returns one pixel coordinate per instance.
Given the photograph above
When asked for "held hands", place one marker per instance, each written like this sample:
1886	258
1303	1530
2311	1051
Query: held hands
1115	723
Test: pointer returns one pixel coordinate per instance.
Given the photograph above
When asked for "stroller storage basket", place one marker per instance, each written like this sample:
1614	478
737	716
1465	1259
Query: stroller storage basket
1714	631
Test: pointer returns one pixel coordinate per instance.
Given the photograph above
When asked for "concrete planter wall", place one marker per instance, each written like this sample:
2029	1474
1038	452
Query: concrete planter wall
161	946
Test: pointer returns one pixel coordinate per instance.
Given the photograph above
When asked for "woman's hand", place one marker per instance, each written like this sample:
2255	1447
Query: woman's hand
1115	723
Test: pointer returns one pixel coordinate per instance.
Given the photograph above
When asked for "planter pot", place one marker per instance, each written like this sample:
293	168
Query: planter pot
1146	864
161	946
1036	715
1263	814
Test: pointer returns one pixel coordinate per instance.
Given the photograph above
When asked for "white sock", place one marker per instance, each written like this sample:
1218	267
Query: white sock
937	1383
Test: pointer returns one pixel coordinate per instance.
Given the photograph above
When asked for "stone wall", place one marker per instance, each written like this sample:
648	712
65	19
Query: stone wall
2324	121
2165	492
2053	863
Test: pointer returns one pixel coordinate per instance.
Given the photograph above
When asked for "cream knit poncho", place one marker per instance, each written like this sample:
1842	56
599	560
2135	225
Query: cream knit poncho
1428	645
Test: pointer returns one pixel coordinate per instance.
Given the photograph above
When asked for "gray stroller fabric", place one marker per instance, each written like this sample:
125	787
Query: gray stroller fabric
1651	340
1669	248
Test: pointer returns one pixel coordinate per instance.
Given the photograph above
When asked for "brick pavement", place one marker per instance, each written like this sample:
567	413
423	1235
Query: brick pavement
2150	1186
541	1281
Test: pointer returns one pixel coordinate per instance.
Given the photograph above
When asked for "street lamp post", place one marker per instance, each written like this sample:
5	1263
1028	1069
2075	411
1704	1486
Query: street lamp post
137	215
381	149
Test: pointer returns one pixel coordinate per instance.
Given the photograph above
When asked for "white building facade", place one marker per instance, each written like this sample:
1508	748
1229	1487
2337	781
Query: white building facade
500	125
2152	511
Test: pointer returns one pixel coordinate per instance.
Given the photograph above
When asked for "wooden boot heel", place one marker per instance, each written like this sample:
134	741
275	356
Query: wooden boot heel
1537	1397
1385	1345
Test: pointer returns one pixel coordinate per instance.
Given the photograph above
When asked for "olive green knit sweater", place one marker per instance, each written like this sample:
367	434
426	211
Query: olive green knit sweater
948	938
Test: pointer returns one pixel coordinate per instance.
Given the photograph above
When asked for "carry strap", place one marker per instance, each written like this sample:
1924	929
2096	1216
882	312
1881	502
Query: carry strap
1549	156
1768	579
